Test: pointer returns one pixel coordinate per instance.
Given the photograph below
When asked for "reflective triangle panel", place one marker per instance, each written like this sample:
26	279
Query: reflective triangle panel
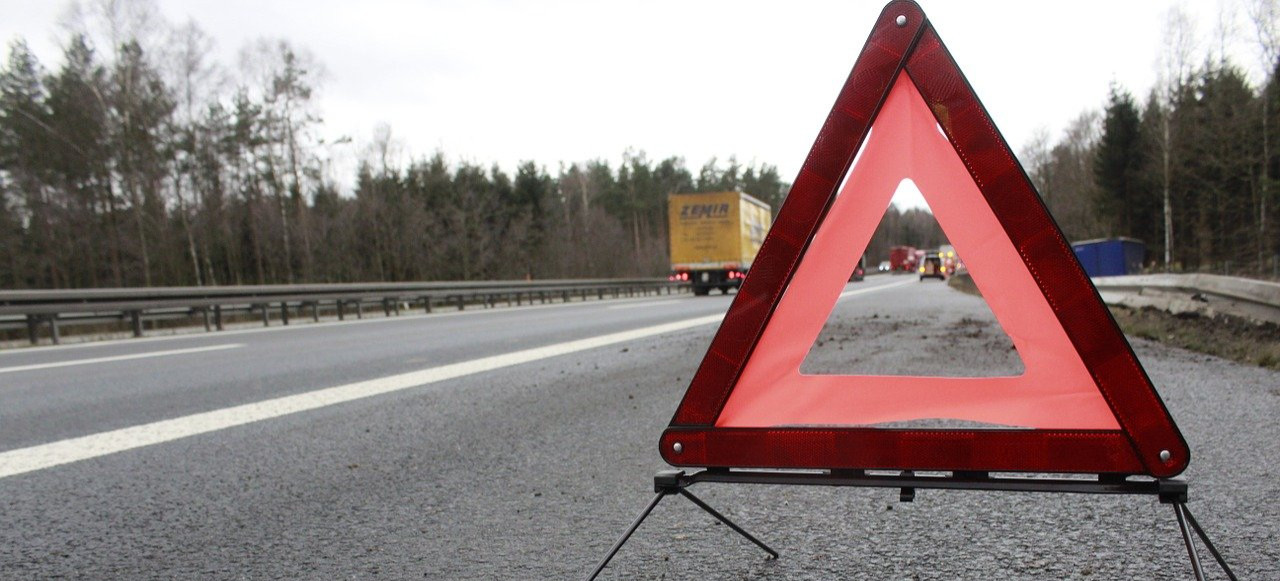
1083	404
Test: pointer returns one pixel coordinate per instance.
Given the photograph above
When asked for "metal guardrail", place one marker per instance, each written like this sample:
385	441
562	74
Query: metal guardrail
1204	294
54	308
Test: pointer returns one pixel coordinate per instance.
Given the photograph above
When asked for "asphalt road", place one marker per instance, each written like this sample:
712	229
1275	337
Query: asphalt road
518	443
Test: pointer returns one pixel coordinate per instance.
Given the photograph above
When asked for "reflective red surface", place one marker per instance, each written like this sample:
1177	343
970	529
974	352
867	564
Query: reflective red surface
1146	429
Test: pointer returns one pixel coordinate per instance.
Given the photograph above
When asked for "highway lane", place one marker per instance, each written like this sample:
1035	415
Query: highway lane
529	471
57	393
58	402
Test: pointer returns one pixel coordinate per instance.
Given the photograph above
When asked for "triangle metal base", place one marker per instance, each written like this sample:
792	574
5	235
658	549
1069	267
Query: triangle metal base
1171	491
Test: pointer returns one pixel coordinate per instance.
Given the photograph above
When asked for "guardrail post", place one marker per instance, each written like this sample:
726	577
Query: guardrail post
342	309
315	311
461	305
396	304
204	315
359	308
266	316
33	329
217	316
53	329
565	296
284	312
135	319
426	304
386	307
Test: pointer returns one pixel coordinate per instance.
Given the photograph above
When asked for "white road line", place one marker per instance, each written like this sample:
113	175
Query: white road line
44	456
118	358
847	294
638	305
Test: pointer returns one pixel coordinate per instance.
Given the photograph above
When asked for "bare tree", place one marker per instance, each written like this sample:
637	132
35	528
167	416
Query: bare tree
1174	70
284	78
1264	15
1063	174
195	81
110	25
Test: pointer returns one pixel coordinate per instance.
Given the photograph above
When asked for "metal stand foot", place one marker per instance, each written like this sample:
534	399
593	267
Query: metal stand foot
704	506
1184	516
631	529
665	484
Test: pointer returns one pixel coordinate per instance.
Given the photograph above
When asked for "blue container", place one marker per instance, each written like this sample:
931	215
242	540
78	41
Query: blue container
1111	256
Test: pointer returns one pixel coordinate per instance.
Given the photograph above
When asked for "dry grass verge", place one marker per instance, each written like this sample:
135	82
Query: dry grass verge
1224	336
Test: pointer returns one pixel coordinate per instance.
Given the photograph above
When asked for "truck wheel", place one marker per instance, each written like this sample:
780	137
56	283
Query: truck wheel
701	291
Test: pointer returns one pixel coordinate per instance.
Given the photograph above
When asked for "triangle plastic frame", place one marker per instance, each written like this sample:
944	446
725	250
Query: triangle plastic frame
904	43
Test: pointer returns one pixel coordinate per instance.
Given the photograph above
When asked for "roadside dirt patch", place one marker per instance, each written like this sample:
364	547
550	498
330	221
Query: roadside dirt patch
1224	336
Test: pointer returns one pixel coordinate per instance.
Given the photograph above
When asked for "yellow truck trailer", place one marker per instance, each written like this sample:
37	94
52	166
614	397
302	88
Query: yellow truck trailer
715	237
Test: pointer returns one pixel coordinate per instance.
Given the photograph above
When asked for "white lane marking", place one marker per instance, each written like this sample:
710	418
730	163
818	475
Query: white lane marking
44	456
649	304
847	294
118	358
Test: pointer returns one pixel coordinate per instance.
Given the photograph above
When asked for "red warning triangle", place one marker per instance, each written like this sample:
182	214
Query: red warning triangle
1083	404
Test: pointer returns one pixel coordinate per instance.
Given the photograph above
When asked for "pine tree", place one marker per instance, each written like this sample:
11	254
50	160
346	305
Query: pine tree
1123	202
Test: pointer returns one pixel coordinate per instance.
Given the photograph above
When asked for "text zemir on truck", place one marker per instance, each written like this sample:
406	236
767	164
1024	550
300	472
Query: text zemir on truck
714	238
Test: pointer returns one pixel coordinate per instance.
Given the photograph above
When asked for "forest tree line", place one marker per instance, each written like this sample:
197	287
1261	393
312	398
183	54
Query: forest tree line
139	161
1191	167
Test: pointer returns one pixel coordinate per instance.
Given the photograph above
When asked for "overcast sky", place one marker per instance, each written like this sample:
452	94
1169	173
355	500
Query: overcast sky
496	81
